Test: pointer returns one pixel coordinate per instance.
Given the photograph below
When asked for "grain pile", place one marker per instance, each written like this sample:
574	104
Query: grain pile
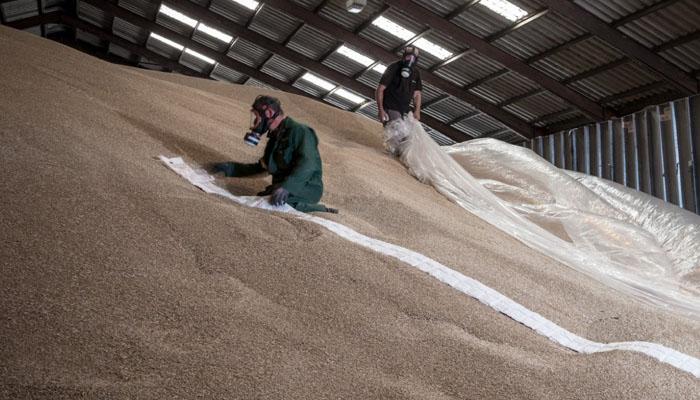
121	280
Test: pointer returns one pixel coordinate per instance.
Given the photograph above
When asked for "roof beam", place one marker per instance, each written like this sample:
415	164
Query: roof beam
215	20
518	24
631	48
191	44
131	47
508	30
49	18
643	12
622	21
518	125
464	7
585	104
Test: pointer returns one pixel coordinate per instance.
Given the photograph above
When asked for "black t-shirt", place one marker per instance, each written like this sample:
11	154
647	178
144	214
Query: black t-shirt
399	90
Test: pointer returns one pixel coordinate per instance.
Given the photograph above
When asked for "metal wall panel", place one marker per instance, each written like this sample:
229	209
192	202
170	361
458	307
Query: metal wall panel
654	150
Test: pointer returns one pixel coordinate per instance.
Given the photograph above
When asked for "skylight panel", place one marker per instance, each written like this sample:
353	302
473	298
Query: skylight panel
167	41
215	33
320	82
381	68
200	56
353	55
406	35
250	4
505	8
177	15
432	48
393	28
349	96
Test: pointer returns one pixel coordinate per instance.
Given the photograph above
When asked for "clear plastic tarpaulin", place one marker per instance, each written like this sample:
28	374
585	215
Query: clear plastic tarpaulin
625	239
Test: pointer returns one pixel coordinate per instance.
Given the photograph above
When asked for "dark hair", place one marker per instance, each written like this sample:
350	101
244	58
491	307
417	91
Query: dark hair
270	102
410	50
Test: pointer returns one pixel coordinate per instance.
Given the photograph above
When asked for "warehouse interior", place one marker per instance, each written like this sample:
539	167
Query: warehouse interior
543	243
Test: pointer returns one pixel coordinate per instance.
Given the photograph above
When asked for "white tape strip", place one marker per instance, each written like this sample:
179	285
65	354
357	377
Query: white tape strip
463	283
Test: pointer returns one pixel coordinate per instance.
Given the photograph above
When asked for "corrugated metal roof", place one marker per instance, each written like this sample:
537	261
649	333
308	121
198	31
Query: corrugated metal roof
480	21
121	52
17	10
687	57
145	8
209	41
93	15
129	31
274	24
617	80
538	36
224	73
449	109
195	63
619	86
664	25
537	106
332	11
468	68
578	58
478	125
248	53
174	25
281	68
231	10
311	42
612	10
343	64
162	48
504	87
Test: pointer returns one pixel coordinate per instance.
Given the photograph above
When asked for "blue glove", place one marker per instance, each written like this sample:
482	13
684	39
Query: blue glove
279	196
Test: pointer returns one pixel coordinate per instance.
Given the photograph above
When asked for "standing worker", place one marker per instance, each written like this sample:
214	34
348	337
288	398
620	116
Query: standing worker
399	85
291	156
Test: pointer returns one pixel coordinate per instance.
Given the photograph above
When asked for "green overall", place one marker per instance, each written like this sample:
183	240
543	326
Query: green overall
291	157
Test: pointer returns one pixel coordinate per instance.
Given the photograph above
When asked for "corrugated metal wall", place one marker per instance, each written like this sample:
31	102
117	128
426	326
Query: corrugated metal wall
655	151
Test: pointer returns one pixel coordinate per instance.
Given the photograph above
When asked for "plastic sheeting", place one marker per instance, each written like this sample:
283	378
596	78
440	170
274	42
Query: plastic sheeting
460	282
625	239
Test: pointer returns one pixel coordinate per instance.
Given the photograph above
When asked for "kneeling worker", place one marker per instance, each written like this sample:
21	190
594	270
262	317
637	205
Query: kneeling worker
291	157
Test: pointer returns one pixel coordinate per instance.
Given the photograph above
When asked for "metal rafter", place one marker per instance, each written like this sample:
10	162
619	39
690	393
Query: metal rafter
622	21
47	18
379	53
188	43
412	40
210	18
131	47
492	38
575	78
40	10
585	104
464	7
643	12
631	48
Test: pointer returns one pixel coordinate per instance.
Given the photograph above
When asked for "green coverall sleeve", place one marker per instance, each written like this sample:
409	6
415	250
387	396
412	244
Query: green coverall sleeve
240	169
307	161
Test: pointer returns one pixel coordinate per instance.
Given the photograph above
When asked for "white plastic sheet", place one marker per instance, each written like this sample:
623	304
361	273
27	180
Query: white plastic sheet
458	281
625	239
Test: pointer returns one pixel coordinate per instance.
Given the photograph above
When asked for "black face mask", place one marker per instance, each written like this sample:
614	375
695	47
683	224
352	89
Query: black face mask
253	137
407	65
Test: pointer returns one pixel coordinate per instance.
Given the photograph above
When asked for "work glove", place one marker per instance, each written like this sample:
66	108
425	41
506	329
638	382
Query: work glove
279	196
228	168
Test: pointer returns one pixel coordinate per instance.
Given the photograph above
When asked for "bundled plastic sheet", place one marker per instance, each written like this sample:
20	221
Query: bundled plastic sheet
623	238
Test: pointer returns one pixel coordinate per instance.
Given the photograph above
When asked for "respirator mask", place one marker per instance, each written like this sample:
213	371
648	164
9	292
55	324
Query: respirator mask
409	60
259	125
